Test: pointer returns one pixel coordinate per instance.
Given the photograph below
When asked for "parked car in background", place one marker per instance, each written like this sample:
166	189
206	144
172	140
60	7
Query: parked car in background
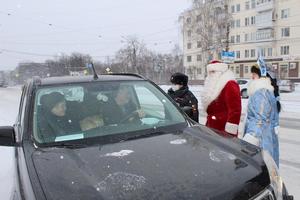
286	86
161	154
243	83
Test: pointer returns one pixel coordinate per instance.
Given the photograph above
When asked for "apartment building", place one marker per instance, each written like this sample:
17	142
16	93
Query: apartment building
201	45
267	27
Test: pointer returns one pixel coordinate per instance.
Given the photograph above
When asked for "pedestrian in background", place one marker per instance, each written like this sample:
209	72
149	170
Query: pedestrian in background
262	122
221	99
183	96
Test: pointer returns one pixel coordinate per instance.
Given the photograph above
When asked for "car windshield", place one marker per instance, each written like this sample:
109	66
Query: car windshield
96	109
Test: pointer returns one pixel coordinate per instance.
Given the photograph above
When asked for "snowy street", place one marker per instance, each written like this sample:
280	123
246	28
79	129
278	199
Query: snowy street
289	137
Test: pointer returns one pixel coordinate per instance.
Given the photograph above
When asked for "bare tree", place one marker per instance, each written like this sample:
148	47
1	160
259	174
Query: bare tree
131	56
210	20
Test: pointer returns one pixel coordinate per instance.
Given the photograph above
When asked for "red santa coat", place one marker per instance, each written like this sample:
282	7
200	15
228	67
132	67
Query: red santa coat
224	111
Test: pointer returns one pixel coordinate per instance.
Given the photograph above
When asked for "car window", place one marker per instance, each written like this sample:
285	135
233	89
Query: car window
149	102
241	82
76	112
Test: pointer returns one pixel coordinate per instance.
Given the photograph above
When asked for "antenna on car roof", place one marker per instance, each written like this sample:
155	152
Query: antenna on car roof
91	65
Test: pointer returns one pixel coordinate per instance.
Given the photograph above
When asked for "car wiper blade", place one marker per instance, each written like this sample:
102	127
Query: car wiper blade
68	145
144	135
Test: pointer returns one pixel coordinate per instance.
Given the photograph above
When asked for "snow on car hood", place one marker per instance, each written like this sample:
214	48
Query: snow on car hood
186	165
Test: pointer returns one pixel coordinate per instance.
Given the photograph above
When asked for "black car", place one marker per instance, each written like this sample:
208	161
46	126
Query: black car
120	136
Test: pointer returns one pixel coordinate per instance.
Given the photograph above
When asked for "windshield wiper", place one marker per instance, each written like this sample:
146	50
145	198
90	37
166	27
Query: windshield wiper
68	145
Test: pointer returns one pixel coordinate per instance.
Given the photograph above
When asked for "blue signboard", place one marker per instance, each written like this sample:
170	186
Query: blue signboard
228	56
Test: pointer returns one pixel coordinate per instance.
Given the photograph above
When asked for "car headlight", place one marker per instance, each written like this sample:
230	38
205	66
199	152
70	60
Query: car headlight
265	195
275	178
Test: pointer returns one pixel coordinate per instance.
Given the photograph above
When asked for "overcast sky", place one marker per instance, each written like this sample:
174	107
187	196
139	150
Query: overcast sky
35	30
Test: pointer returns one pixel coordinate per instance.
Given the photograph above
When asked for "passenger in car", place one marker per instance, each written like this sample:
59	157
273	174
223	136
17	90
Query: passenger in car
120	108
183	96
55	118
59	117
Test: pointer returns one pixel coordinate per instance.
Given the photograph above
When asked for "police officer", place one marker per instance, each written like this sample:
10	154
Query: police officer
183	96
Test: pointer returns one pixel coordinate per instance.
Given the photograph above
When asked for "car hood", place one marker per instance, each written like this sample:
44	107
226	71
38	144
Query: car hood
195	163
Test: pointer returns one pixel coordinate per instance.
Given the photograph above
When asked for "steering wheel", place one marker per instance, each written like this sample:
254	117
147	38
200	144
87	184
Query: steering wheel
130	115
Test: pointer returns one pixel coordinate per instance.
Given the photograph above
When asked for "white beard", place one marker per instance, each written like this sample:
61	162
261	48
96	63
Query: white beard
213	86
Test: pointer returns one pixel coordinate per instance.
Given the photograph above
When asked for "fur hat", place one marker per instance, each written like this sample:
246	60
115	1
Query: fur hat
48	101
179	79
217	66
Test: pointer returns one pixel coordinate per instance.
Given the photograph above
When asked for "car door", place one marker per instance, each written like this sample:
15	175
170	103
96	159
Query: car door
22	180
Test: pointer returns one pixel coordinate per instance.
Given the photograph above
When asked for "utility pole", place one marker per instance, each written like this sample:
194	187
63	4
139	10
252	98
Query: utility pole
227	25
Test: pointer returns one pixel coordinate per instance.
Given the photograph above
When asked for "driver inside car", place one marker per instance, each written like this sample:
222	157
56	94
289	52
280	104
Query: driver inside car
59	117
121	108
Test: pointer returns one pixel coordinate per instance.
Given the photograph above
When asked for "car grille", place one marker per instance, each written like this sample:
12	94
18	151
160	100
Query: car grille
266	195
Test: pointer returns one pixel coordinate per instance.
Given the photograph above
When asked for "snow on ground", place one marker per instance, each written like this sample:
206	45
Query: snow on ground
9	103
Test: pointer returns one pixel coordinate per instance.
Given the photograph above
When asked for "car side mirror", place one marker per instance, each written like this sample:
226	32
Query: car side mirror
7	136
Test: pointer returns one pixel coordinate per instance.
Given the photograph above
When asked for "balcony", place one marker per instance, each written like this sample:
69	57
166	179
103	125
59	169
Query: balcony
264	20
265	5
265	35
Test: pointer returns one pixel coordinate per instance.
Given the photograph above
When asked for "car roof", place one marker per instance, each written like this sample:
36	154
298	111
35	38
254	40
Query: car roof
84	79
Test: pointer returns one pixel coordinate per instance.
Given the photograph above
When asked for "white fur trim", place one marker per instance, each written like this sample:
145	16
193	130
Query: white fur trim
251	139
231	128
262	83
217	67
209	96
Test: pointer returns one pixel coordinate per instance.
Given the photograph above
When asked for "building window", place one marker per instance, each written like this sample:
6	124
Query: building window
188	20
198	31
253	20
189	58
238	39
247	5
238	8
198	44
189	33
237	70
232	24
246	53
232	39
285	32
189	45
263	52
285	50
199	18
253	4
199	57
252	53
238	23
238	54
285	13
246	37
270	51
264	34
199	70
232	9
246	69
247	21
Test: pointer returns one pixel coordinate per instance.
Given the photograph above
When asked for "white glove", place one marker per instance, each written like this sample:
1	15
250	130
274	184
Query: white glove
102	97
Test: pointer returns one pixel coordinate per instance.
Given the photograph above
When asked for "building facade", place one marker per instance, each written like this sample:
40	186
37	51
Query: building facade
267	27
